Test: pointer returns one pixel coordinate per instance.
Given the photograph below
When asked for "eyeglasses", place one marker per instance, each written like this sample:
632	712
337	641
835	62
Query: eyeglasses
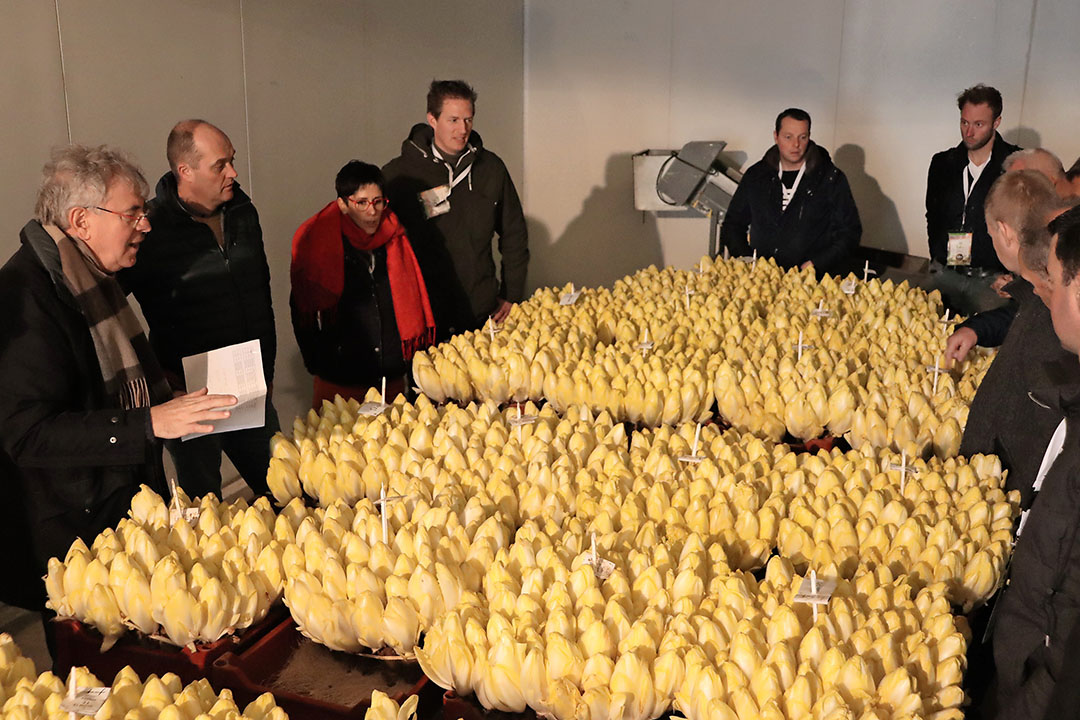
378	203
132	220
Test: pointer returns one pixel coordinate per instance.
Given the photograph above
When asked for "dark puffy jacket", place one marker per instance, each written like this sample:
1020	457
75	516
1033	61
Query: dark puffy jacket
945	206
72	457
991	326
1003	419
357	343
1040	606
821	223
196	295
454	249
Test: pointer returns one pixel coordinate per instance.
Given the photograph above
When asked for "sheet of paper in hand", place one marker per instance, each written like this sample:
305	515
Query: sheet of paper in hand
231	370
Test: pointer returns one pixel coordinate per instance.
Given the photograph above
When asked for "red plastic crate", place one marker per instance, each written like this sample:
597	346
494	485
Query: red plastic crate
469	708
345	681
79	644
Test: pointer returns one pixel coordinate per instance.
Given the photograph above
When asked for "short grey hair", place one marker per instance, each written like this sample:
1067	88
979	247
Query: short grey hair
79	176
1039	159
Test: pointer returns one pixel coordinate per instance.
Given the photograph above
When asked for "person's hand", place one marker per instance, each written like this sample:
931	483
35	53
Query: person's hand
502	309
999	284
807	264
189	414
959	344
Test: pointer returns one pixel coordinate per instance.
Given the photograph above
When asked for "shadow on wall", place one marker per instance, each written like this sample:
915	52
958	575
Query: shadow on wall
880	220
1025	137
607	240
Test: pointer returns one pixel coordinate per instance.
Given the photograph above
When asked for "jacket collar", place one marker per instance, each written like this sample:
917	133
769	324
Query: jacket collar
168	199
816	156
37	239
418	143
997	153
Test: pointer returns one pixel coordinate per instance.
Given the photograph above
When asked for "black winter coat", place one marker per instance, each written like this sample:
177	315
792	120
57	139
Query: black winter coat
821	223
358	342
72	457
945	206
1040	606
197	296
454	249
1003	419
992	326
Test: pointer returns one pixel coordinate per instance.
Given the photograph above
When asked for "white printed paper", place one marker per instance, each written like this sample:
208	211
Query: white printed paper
231	370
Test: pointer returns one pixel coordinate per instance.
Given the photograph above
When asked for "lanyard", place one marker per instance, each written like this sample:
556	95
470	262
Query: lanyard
969	187
784	192
451	180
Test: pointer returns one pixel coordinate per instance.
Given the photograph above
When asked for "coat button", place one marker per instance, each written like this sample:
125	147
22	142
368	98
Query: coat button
87	511
112	440
114	420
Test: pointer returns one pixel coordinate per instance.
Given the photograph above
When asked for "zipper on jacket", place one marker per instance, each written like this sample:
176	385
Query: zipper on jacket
378	311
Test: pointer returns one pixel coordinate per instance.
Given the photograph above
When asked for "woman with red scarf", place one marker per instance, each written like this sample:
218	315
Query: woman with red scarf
360	307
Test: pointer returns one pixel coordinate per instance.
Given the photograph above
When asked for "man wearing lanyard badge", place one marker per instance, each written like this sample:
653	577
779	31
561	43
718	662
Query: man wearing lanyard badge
963	264
454	196
794	205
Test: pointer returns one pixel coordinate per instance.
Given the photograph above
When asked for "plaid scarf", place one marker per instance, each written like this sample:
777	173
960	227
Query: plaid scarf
128	365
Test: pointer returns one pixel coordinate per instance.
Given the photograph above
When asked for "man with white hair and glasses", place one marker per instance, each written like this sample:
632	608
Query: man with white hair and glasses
83	402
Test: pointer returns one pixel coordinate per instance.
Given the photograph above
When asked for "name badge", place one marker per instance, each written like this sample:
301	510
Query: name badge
436	201
959	249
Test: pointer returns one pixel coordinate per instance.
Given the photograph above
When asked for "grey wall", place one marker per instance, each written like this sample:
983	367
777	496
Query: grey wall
609	78
300	86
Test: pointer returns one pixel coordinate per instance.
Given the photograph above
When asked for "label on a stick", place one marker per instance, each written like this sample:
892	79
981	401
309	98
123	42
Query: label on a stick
570	298
189	514
818	595
87	701
601	567
371	409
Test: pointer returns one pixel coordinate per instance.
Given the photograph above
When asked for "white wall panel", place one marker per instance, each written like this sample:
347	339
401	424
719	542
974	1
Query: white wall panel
880	79
135	68
32	114
597	82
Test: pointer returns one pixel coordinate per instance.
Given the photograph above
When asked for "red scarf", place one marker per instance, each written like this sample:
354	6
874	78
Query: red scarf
318	271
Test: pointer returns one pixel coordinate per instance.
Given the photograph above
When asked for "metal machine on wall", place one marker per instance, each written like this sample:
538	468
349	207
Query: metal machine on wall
698	177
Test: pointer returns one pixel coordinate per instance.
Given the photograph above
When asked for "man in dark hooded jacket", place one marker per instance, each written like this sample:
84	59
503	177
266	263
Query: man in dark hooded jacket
796	205
453	196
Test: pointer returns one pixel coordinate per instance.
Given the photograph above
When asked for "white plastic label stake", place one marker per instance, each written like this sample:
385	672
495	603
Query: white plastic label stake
945	320
815	592
687	292
848	286
693	456
382	511
866	271
177	510
645	345
371	409
820	311
799	347
601	568
753	262
571	297
937	370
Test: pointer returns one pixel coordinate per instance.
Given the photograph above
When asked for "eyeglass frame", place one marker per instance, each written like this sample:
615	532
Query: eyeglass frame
133	219
364	203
